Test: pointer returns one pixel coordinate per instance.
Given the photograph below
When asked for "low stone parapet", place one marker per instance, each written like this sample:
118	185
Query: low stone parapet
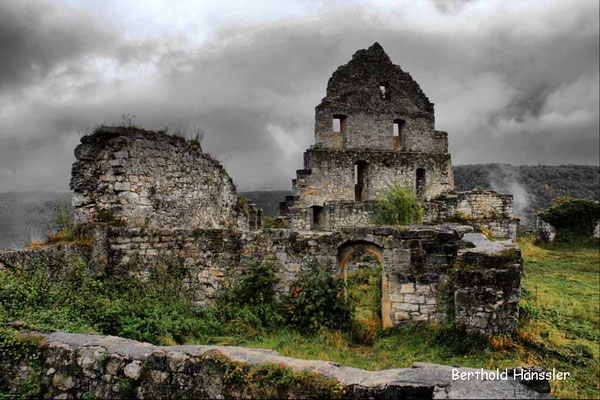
90	366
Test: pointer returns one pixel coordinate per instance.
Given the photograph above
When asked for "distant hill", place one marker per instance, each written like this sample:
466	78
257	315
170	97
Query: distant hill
268	200
25	216
533	187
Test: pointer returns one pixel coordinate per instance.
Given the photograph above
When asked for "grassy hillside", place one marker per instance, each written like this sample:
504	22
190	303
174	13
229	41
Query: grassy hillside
559	326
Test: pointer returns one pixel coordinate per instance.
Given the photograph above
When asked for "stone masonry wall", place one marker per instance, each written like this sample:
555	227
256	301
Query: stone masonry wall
481	209
330	177
478	208
418	263
150	179
208	257
51	259
415	261
354	92
107	367
487	286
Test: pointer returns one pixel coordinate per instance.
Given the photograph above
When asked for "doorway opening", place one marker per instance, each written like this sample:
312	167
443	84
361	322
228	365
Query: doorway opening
360	180
361	266
315	217
421	181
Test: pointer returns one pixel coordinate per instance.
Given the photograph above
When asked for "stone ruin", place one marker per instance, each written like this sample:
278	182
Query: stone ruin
376	128
151	198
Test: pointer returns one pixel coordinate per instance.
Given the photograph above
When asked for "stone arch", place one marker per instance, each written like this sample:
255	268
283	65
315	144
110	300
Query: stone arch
347	249
345	252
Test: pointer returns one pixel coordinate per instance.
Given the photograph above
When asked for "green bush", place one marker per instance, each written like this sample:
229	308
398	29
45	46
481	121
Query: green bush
574	219
250	304
318	300
398	205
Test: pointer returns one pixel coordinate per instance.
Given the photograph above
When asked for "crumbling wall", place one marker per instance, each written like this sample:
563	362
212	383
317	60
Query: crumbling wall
140	178
330	177
108	367
386	136
485	210
487	286
479	208
416	261
51	260
355	92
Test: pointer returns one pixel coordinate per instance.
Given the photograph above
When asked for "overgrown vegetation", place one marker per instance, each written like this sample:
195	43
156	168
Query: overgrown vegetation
574	219
316	301
559	327
62	228
398	205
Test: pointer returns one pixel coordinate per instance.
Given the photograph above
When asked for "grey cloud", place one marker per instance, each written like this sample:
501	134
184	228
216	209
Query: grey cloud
451	6
36	35
503	95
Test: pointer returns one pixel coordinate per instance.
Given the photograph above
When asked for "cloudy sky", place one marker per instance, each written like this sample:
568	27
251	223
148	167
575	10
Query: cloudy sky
512	81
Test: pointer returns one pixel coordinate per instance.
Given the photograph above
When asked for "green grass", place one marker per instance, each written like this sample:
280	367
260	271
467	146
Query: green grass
559	326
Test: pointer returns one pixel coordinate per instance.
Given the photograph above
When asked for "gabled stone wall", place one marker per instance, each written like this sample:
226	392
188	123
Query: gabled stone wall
354	91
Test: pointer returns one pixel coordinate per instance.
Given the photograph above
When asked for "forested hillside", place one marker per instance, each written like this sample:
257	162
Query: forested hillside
534	187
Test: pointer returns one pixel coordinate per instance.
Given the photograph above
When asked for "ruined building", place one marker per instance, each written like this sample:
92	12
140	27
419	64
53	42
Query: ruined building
151	198
376	128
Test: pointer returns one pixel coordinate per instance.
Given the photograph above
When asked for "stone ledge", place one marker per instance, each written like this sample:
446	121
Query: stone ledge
94	364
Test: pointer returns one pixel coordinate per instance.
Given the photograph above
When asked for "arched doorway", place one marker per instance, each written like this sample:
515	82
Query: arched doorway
361	267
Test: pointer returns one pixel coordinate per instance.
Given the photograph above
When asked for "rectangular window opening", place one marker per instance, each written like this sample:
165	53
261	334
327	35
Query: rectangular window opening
398	127
339	123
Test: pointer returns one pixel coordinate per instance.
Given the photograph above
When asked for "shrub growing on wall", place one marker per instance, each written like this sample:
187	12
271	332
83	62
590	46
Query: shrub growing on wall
318	300
251	301
399	205
573	218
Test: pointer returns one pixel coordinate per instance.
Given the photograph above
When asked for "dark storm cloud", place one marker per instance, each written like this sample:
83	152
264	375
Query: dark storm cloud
518	89
35	36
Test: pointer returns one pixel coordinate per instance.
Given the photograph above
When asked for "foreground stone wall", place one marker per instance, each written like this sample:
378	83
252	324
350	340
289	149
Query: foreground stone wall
91	366
150	179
